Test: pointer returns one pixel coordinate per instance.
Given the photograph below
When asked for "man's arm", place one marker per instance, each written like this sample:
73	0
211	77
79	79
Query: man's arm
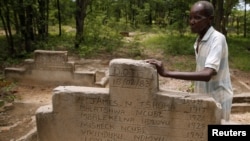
203	75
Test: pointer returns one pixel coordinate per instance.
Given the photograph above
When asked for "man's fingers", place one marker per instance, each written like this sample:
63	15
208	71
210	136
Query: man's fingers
151	61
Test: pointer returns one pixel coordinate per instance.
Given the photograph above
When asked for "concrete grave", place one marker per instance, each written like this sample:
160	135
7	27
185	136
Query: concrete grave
133	108
54	68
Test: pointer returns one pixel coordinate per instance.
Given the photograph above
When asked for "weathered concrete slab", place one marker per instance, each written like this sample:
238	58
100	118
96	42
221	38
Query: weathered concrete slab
131	109
53	68
241	103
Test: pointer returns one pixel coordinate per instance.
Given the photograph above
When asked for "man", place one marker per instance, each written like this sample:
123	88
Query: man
212	75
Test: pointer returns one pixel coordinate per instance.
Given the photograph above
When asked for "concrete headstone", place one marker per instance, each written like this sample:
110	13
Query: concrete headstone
133	108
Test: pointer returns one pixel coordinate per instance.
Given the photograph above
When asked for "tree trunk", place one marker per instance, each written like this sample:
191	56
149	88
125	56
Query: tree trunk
4	26
80	15
7	28
47	19
238	25
41	20
59	17
23	26
17	24
245	21
218	5
29	28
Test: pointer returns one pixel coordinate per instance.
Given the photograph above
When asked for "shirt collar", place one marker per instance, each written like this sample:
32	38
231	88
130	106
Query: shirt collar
208	33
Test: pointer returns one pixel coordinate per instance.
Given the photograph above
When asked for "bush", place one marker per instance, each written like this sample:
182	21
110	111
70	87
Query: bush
172	44
6	91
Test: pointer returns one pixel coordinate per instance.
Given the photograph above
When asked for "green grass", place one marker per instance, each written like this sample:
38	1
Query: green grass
239	53
171	44
175	45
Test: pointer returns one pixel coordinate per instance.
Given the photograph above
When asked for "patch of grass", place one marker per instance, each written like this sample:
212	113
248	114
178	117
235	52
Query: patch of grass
241	61
186	64
175	45
171	44
6	91
239	53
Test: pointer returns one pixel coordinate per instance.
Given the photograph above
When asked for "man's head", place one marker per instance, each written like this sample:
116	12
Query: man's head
201	16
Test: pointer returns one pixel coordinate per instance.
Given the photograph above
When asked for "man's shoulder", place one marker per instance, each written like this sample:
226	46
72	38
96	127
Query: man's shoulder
216	32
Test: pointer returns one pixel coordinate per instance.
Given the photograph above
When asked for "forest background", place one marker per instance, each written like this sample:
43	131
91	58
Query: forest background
88	28
107	29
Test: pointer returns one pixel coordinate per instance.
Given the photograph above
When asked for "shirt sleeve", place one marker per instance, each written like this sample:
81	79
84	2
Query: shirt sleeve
215	54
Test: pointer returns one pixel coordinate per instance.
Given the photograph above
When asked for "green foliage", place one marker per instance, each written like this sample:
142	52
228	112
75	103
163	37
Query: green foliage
186	63
171	44
133	47
175	22
239	53
55	42
6	90
100	34
105	19
94	44
5	58
3	49
67	8
191	88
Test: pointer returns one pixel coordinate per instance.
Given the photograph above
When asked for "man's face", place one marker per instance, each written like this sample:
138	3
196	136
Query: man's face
197	20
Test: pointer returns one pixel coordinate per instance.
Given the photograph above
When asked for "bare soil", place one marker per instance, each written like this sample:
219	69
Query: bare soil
18	118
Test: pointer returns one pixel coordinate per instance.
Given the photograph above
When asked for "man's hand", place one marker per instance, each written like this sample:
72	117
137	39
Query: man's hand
158	64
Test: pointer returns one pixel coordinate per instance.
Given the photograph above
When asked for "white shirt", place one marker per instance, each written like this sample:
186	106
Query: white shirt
213	53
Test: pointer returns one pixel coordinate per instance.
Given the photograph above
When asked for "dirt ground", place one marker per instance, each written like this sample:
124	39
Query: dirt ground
18	118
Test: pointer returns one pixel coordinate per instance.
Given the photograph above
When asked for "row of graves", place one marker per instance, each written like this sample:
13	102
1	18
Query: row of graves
131	107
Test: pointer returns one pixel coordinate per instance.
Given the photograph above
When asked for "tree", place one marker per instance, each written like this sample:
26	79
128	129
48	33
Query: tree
228	6
80	15
59	17
218	15
43	9
26	23
245	17
5	17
